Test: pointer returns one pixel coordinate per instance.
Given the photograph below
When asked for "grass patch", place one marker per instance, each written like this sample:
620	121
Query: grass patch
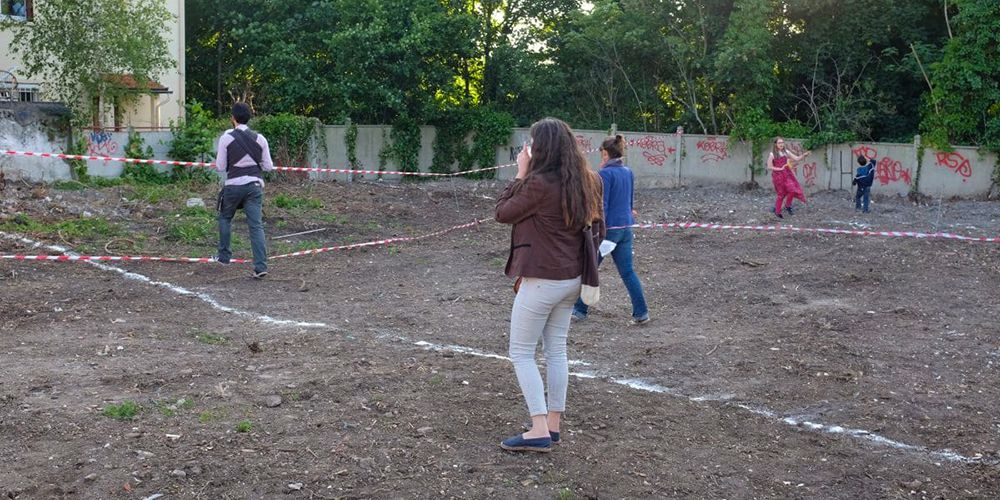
244	426
155	193
436	379
332	219
80	228
209	416
293	202
282	247
69	185
565	494
90	182
211	338
191	225
124	411
170	409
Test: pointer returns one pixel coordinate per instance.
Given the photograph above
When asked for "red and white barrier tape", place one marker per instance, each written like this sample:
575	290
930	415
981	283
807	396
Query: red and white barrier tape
204	260
794	229
64	156
119	258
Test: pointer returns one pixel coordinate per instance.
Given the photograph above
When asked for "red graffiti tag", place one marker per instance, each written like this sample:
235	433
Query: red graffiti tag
715	150
655	151
956	162
657	160
888	170
584	143
809	172
865	150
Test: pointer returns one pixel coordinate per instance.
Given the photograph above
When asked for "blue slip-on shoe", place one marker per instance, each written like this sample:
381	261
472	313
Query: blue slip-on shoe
790	211
518	443
554	436
578	316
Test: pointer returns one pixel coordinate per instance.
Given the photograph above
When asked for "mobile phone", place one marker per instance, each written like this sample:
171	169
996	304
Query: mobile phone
527	148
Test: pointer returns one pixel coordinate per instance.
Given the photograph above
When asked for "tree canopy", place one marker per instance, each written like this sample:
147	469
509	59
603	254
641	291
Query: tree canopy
831	69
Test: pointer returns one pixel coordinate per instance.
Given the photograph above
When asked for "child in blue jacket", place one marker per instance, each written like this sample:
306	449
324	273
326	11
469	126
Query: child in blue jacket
864	178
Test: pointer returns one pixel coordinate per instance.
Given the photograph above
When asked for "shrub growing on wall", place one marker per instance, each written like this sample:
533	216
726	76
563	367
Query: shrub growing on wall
289	136
469	138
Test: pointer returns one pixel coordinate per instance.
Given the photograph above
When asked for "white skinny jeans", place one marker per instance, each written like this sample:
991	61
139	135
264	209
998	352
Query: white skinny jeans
542	310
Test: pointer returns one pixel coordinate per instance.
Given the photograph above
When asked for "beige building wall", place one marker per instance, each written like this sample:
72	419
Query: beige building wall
150	111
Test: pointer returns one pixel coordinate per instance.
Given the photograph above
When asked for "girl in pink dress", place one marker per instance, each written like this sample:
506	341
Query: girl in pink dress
785	184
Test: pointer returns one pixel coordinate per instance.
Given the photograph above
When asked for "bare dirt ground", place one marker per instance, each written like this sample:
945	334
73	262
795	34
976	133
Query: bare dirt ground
776	365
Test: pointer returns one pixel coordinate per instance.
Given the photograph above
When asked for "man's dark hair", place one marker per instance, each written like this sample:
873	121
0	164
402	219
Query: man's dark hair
862	160
242	113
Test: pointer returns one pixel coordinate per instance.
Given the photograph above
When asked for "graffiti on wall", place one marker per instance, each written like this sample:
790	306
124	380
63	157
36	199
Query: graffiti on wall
955	162
809	173
714	149
101	143
887	169
654	150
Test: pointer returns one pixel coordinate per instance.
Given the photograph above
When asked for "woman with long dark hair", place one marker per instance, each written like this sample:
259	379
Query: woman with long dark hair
553	198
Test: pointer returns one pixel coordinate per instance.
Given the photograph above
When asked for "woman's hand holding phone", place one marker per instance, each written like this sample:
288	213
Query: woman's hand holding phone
523	159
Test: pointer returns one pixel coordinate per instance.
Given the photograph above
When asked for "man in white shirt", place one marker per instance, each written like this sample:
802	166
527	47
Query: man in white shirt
243	156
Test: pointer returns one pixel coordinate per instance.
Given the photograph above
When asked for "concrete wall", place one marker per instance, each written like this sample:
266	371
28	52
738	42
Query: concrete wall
964	172
658	160
36	128
372	140
712	159
42	128
113	144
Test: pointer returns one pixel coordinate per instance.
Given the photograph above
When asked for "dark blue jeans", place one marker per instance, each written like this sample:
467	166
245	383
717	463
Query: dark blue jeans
862	193
249	197
622	255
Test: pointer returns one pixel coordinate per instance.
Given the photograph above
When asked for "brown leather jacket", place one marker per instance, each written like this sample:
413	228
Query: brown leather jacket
541	246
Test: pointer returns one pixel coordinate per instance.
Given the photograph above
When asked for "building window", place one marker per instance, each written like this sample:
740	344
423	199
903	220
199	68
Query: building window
28	94
17	9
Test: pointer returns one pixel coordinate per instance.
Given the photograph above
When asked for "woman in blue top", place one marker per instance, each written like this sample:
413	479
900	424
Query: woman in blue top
618	213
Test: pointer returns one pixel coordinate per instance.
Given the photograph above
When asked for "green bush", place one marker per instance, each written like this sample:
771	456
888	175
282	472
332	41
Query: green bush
288	136
141	173
194	140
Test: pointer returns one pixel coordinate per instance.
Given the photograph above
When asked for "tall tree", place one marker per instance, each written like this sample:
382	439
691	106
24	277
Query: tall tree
745	63
964	106
83	49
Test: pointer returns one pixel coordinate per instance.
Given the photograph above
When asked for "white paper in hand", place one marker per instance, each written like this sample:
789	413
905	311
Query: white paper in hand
607	246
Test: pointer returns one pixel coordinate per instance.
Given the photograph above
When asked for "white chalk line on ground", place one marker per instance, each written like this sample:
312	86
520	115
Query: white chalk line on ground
645	386
633	383
204	297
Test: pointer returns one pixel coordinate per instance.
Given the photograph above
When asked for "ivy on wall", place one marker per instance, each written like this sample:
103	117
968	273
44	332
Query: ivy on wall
351	143
468	138
403	147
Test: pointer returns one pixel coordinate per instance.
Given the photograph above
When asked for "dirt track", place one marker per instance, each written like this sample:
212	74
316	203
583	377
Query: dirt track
758	339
